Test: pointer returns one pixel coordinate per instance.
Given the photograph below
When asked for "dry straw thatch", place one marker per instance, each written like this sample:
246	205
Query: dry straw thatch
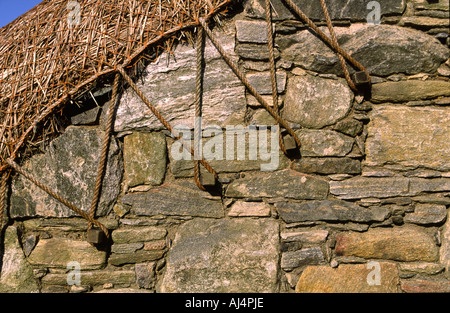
48	56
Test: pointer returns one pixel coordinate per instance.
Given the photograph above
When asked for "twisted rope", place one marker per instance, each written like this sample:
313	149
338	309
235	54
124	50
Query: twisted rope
3	192
197	104
246	83
273	71
333	43
105	149
52	193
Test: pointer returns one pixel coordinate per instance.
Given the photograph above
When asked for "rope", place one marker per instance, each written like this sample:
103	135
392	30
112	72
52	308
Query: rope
246	83
273	72
198	103
3	192
333	43
52	193
163	120
104	152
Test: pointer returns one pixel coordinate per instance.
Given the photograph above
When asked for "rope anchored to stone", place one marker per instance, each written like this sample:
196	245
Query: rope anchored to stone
52	193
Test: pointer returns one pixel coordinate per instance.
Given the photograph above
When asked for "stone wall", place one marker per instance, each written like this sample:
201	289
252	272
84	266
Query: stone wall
365	208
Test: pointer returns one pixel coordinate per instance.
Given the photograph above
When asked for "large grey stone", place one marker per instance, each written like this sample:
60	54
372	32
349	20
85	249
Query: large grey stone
16	274
329	210
169	84
314	102
237	255
338	9
409	136
382	49
287	184
69	167
182	198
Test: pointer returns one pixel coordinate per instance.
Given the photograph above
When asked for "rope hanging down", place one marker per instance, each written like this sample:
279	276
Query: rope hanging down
342	54
246	83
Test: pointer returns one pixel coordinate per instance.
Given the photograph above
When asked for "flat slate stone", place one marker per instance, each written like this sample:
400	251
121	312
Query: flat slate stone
399	243
58	252
409	90
183	198
235	255
338	9
287	184
329	210
364	187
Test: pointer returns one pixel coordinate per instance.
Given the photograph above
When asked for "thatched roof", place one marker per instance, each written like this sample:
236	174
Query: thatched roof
47	58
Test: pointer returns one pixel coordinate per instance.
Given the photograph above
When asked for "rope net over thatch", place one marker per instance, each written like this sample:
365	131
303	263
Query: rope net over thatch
60	49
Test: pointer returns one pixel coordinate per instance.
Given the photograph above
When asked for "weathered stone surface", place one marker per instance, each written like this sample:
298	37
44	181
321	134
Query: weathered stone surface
425	286
305	256
398	243
58	252
327	165
140	256
350	127
409	90
287	184
324	143
145	158
445	247
348	278
137	234
339	9
329	210
241	208
305	236
411	137
69	167
383	49
254	52
237	255
385	187
362	187
145	274
183	198
93	278
427	214
16	272
262	82
223	93
421	267
251	31
227	153
314	102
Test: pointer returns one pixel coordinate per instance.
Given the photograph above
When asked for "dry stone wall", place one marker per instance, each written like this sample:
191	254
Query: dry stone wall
364	209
